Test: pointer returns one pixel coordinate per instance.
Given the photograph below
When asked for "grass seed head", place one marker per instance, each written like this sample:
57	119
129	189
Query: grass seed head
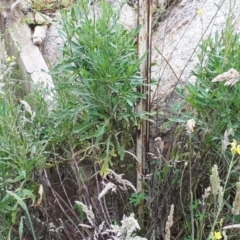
215	180
236	203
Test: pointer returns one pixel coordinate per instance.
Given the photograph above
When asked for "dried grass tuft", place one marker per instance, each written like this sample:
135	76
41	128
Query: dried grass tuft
231	77
236	203
169	224
215	180
88	211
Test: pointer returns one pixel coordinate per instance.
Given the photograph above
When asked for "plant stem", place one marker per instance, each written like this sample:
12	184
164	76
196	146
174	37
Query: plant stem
190	182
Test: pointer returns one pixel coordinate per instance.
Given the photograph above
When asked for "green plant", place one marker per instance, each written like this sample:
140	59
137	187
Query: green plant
213	106
22	152
210	209
94	121
102	81
137	198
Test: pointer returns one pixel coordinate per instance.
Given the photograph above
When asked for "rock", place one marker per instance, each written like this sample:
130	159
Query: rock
32	66
41	19
159	3
128	17
53	44
39	34
177	39
23	5
29	18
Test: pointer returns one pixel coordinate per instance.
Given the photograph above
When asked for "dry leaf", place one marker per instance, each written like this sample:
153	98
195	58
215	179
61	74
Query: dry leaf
190	125
231	226
225	141
231	77
39	197
123	182
160	143
109	186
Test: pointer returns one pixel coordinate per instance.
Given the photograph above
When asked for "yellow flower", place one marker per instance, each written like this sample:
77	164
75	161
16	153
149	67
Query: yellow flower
234	146
10	59
238	149
200	12
217	236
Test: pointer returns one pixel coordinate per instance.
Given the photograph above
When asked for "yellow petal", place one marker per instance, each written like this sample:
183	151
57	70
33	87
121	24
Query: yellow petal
10	59
233	150
200	11
234	143
217	235
238	149
234	146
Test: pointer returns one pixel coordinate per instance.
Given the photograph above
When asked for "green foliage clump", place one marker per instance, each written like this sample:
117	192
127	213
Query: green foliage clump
215	107
100	75
22	152
94	119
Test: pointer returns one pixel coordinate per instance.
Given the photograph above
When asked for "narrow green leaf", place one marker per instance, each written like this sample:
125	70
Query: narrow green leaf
177	120
24	207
